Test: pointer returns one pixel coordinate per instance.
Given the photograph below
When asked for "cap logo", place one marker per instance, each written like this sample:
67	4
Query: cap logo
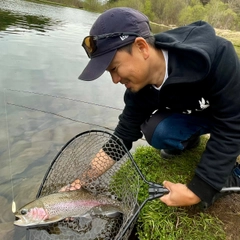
123	37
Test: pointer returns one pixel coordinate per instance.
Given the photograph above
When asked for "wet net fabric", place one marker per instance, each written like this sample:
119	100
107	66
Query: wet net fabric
120	182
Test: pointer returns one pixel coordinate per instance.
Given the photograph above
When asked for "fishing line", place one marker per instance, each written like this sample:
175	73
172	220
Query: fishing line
9	153
61	97
56	114
59	115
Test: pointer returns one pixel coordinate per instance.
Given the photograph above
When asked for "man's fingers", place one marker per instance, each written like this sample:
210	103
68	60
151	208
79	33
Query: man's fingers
65	188
71	187
167	184
165	197
75	185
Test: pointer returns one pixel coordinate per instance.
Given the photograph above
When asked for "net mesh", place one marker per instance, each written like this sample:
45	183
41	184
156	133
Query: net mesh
120	182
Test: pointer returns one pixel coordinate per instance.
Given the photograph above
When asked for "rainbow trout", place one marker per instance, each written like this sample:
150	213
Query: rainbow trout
61	205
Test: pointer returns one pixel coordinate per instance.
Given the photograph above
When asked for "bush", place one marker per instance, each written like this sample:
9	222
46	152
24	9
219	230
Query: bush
92	5
167	12
191	14
136	4
219	15
147	10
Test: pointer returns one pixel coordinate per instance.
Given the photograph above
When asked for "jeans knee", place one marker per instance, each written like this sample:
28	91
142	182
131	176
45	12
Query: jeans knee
157	136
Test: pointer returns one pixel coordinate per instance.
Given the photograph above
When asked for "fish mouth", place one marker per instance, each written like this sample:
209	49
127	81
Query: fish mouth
23	221
18	220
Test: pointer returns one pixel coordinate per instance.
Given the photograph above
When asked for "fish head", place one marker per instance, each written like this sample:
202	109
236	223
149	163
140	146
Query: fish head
31	214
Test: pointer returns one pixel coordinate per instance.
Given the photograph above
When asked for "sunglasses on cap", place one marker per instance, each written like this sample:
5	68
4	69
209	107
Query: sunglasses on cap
90	42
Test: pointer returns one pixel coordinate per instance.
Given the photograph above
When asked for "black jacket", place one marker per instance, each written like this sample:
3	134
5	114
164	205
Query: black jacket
201	67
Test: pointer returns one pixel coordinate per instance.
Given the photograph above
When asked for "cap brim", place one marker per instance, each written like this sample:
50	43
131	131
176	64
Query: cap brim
96	66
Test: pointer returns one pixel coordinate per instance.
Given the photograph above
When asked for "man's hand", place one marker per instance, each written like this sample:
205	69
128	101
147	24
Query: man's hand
71	187
179	195
99	165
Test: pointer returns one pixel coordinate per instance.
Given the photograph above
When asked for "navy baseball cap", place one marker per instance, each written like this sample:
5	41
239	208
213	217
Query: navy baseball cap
113	29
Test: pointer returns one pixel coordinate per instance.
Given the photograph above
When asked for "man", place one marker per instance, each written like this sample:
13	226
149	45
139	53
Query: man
181	84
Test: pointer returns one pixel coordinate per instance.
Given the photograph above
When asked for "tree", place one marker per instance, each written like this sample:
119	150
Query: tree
220	15
147	9
191	14
204	2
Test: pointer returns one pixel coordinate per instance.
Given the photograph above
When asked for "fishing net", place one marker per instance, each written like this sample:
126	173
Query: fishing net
120	182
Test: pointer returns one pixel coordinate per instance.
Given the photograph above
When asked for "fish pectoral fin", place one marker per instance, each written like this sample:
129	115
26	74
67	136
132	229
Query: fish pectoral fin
108	211
53	219
86	216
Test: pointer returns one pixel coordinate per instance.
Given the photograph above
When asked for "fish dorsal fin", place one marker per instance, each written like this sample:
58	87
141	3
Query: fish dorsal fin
53	219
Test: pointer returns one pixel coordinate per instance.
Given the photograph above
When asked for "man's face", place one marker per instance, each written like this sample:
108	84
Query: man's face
130	69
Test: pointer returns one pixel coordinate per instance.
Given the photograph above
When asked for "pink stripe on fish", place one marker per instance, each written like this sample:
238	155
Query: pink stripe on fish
78	204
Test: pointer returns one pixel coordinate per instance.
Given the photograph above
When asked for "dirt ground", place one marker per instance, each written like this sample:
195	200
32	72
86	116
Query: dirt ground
227	209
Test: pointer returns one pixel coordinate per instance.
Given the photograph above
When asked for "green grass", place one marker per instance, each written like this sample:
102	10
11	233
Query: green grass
232	36
156	220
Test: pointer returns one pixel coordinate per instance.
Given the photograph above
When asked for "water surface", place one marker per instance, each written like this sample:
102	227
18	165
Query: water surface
42	103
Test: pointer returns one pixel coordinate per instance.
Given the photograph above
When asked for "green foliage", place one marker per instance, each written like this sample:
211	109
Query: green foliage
147	10
194	2
167	11
156	220
178	12
234	5
219	15
92	5
171	11
191	14
136	4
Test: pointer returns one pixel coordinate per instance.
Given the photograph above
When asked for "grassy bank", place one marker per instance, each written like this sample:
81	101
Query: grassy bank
232	36
156	220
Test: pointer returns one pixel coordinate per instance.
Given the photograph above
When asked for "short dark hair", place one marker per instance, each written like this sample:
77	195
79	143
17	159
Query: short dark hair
128	48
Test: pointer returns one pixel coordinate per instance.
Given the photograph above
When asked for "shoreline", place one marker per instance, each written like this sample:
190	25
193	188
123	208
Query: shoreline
56	3
233	36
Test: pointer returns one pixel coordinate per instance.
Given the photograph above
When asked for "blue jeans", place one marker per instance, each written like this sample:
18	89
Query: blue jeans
171	130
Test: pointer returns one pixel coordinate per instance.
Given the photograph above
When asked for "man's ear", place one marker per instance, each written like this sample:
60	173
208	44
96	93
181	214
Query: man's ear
142	46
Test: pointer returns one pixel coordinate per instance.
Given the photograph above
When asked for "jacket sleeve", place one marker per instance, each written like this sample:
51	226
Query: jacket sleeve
135	112
223	146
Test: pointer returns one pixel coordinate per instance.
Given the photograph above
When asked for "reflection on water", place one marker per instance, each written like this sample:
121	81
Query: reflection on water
7	19
11	22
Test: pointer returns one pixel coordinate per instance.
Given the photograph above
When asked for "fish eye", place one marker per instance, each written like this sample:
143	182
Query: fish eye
23	212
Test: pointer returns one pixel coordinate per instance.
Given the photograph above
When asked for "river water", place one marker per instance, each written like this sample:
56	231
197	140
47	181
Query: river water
42	102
